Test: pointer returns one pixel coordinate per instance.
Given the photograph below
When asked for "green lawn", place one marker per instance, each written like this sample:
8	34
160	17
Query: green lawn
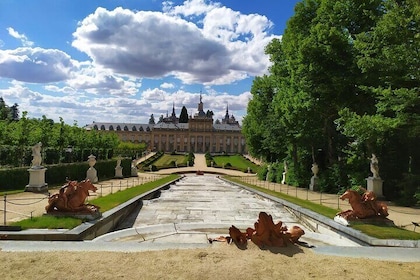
236	161
167	159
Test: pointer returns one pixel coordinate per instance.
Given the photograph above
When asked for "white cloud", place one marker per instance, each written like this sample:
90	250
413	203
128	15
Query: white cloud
167	85
36	65
96	80
228	47
22	37
65	89
189	7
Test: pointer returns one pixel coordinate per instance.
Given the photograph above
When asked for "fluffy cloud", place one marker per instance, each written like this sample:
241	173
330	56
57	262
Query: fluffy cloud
149	44
35	65
99	81
22	37
227	47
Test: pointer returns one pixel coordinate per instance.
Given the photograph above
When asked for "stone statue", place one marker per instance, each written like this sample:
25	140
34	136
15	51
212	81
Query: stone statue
363	206
91	173
374	166
315	169
285	167
71	198
313	186
36	154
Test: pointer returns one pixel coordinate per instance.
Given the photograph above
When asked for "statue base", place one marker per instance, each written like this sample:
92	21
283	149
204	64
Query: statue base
91	174
37	180
78	215
380	221
90	213
118	172
375	185
314	183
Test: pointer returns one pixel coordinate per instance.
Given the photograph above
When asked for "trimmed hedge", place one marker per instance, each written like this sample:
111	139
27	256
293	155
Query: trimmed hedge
18	178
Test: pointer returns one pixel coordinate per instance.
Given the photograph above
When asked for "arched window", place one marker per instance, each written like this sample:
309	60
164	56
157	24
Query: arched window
102	127
111	127
134	128
125	128
95	127
118	127
148	129
141	128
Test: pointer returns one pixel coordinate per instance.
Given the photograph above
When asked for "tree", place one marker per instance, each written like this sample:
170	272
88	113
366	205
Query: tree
14	112
314	75
388	58
255	124
183	117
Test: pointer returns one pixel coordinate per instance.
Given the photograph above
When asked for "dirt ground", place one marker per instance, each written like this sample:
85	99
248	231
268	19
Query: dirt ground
217	262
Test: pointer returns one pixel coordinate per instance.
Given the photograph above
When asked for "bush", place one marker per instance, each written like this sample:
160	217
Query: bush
18	178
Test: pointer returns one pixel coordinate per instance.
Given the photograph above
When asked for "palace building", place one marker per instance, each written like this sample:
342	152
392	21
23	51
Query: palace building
199	135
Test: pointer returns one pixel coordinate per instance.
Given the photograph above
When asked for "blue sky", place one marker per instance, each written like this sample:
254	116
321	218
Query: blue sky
123	60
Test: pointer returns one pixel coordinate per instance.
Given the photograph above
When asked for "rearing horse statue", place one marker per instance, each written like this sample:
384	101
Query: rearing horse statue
71	198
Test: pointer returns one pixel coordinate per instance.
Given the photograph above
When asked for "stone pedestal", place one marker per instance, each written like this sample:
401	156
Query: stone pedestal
91	174
37	180
314	183
375	185
118	172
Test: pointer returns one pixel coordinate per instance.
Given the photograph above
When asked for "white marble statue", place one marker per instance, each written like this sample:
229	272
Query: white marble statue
315	169
374	166
36	154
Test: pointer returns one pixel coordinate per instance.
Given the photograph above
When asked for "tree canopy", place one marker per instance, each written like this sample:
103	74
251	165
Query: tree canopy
344	83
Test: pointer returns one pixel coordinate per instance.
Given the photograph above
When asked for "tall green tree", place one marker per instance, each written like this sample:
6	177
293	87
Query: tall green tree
183	116
327	82
388	56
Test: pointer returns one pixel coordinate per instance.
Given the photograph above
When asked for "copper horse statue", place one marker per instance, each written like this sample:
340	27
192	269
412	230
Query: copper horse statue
266	233
71	198
364	206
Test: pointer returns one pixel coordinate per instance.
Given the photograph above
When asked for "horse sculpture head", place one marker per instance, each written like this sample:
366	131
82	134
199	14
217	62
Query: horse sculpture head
87	185
348	194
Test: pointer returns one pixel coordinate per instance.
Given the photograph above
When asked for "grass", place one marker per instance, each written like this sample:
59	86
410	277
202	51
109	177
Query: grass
382	231
318	208
110	201
167	159
105	203
237	161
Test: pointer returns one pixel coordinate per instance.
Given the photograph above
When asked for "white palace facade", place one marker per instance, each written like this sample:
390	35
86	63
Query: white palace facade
199	135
